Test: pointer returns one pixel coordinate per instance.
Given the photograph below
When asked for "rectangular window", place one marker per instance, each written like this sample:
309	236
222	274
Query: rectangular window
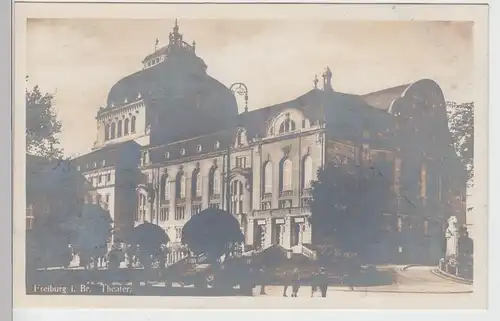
195	209
30	219
164	213
180	212
108	178
400	224
266	205
214	205
100	179
285	204
426	228
303	123
178	233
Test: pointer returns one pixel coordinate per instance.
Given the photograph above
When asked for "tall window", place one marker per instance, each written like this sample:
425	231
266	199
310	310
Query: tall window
119	134
240	138
125	127
198	182
164	213
29	217
268	178
113	131
181	185
132	125
165	185
286	175
106	131
307	172
215	182
287	126
237	197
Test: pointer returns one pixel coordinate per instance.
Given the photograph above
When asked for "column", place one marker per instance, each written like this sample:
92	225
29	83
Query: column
268	233
287	233
249	237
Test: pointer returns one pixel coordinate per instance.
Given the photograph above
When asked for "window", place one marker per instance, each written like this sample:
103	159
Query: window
214	205
98	198
287	126
423	182
217	145
180	212
108	177
107	130
112	131
307	171
119	132
303	123
181	185
103	163
126	126
95	164
100	179
237	197
400	224
164	213
166	188
286	175
178	233
30	219
78	168
214	182
198	184
285	204
198	148
167	155
268	178
239	139
183	151
266	205
132	125
195	209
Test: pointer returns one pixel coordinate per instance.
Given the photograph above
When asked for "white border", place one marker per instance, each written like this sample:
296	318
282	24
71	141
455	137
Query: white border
76	315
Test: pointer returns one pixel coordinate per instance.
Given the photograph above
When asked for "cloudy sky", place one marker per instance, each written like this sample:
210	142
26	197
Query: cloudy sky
80	60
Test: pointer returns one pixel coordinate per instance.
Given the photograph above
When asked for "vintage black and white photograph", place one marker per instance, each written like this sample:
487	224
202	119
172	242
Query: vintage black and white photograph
264	158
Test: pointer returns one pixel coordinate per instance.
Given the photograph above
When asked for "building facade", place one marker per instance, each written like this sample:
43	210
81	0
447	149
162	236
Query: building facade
184	147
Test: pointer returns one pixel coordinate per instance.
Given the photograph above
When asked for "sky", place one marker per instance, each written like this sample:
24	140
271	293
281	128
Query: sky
80	60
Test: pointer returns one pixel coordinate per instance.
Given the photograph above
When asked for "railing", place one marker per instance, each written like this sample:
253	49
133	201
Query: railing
286	193
214	197
306	192
281	212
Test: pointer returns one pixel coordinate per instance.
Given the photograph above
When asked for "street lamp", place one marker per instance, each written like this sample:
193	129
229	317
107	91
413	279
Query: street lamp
241	89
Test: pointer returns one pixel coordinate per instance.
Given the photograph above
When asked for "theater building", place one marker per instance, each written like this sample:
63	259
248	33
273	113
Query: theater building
188	148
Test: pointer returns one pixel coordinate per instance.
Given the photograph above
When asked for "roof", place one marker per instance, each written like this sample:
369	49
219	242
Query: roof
257	121
190	147
382	99
109	155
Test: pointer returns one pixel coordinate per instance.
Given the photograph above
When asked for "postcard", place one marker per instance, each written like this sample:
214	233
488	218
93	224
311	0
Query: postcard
250	156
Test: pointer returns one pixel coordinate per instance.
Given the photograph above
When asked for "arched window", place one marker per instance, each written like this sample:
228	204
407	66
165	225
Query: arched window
119	134
196	183
106	132
113	131
307	172
125	127
164	188
287	126
240	138
180	185
268	178
132	125
286	175
215	182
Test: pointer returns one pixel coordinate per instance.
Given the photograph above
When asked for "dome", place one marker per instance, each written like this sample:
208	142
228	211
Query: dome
174	77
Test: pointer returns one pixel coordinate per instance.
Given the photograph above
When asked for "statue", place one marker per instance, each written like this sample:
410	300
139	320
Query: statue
452	236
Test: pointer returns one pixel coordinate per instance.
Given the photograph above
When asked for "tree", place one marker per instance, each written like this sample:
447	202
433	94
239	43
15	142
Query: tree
212	232
461	124
42	125
89	231
150	240
346	206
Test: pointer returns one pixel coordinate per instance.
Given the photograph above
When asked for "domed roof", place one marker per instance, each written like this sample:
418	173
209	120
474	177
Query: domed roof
174	74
